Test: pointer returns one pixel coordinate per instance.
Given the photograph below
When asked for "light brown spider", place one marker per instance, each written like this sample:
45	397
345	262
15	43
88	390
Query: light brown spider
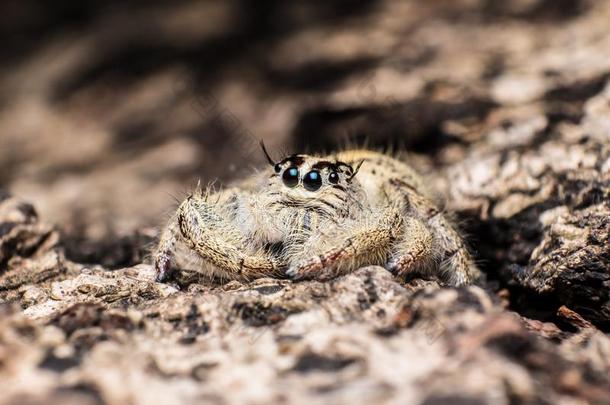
311	217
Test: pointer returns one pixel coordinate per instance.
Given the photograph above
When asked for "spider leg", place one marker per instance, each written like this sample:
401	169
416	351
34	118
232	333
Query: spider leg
165	249
441	248
414	251
457	267
200	224
220	243
351	248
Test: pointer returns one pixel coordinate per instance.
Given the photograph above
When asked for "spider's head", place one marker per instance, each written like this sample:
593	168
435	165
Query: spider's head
306	180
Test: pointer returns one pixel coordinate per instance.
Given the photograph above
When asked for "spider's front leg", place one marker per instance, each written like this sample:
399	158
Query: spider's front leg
351	247
203	227
165	249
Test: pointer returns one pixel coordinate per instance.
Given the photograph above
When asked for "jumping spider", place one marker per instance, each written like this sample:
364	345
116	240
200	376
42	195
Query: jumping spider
311	217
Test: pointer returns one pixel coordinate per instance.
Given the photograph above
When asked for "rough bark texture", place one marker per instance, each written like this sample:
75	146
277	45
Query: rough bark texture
107	108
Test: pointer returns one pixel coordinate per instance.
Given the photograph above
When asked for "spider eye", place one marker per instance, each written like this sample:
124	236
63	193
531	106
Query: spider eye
312	180
291	177
333	177
277	168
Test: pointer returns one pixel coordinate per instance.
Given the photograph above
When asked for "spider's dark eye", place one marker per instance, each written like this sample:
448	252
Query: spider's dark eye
291	177
333	177
277	168
312	180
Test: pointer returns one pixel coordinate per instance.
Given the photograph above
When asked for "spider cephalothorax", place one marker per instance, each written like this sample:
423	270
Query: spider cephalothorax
317	217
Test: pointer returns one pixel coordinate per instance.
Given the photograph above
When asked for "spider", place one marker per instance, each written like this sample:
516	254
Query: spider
317	217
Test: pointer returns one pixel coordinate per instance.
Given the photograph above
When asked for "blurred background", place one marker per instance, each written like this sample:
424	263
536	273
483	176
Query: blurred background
109	110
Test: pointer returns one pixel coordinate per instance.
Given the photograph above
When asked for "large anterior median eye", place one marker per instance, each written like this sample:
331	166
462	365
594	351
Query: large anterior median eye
291	177
312	180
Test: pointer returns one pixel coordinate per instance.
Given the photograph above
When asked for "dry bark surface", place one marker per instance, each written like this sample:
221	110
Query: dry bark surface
505	106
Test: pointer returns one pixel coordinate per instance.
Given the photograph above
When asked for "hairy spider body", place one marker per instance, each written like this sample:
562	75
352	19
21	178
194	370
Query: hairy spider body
313	217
